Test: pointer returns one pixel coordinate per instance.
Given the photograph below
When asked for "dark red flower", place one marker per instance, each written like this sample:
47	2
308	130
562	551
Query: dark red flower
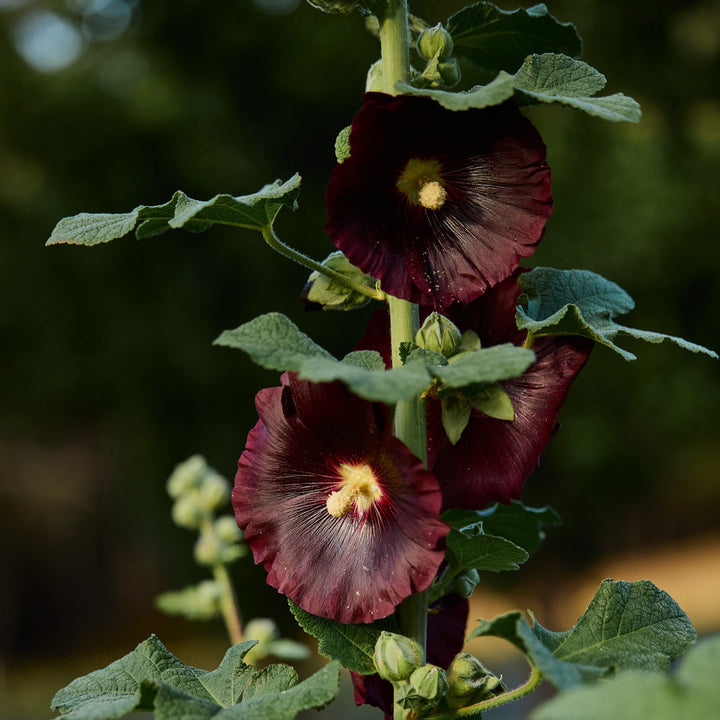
447	620
493	458
341	514
438	205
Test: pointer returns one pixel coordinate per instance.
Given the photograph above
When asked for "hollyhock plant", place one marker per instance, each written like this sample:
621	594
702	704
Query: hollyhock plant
341	514
493	458
438	205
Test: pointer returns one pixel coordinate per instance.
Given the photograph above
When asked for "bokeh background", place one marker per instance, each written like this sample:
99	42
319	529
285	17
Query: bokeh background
108	376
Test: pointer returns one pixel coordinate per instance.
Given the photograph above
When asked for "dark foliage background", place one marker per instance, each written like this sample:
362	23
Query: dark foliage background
108	374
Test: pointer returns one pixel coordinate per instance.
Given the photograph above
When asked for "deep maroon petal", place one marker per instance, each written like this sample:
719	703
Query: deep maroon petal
352	568
447	621
497	183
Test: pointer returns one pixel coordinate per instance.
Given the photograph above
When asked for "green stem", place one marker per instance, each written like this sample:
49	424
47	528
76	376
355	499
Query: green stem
278	245
474	710
394	46
229	604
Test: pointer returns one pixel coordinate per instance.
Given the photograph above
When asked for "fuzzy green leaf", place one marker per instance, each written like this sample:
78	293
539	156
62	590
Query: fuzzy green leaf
455	416
546	78
519	523
552	78
131	682
580	302
387	386
487	365
274	342
498	39
693	692
626	626
256	212
470	547
351	645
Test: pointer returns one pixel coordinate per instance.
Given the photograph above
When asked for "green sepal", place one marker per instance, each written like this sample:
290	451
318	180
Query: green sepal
352	645
256	212
546	78
692	692
626	626
497	39
494	402
580	302
153	679
333	294
455	415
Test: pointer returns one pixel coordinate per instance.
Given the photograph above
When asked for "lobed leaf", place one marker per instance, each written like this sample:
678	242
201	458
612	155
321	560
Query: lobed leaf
470	547
498	39
352	645
580	302
626	626
692	693
487	365
545	78
257	212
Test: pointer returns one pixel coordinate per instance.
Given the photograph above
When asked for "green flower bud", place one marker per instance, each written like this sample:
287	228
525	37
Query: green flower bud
187	476
430	682
187	512
435	41
208	550
333	294
227	530
214	491
449	72
465	582
396	656
439	335
262	629
470	681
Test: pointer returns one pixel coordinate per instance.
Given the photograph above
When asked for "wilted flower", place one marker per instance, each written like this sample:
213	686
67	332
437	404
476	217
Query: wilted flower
438	205
493	458
341	514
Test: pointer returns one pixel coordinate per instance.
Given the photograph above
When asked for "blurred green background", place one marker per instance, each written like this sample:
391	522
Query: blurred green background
108	374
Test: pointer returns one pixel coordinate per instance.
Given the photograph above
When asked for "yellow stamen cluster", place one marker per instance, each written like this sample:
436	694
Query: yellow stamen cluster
358	486
421	183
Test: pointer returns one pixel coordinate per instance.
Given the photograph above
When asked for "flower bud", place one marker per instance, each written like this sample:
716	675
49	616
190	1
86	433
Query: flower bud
449	72
435	41
396	656
469	681
439	335
187	476
262	629
332	294
227	530
214	491
188	513
208	550
430	682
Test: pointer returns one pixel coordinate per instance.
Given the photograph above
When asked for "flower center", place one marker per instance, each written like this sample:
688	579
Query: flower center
358	485
421	183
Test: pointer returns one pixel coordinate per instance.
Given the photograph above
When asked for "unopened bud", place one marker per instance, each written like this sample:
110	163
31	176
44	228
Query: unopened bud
214	491
188	513
430	682
449	72
208	550
469	681
435	41
439	335
396	656
187	476
333	294
227	530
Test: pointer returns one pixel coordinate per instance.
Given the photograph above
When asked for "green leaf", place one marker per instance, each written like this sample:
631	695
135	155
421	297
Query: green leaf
274	342
692	693
471	547
387	386
498	39
194	602
580	302
256	212
455	416
546	78
312	694
551	78
272	679
130	683
494	402
487	365
626	626
368	359
352	645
